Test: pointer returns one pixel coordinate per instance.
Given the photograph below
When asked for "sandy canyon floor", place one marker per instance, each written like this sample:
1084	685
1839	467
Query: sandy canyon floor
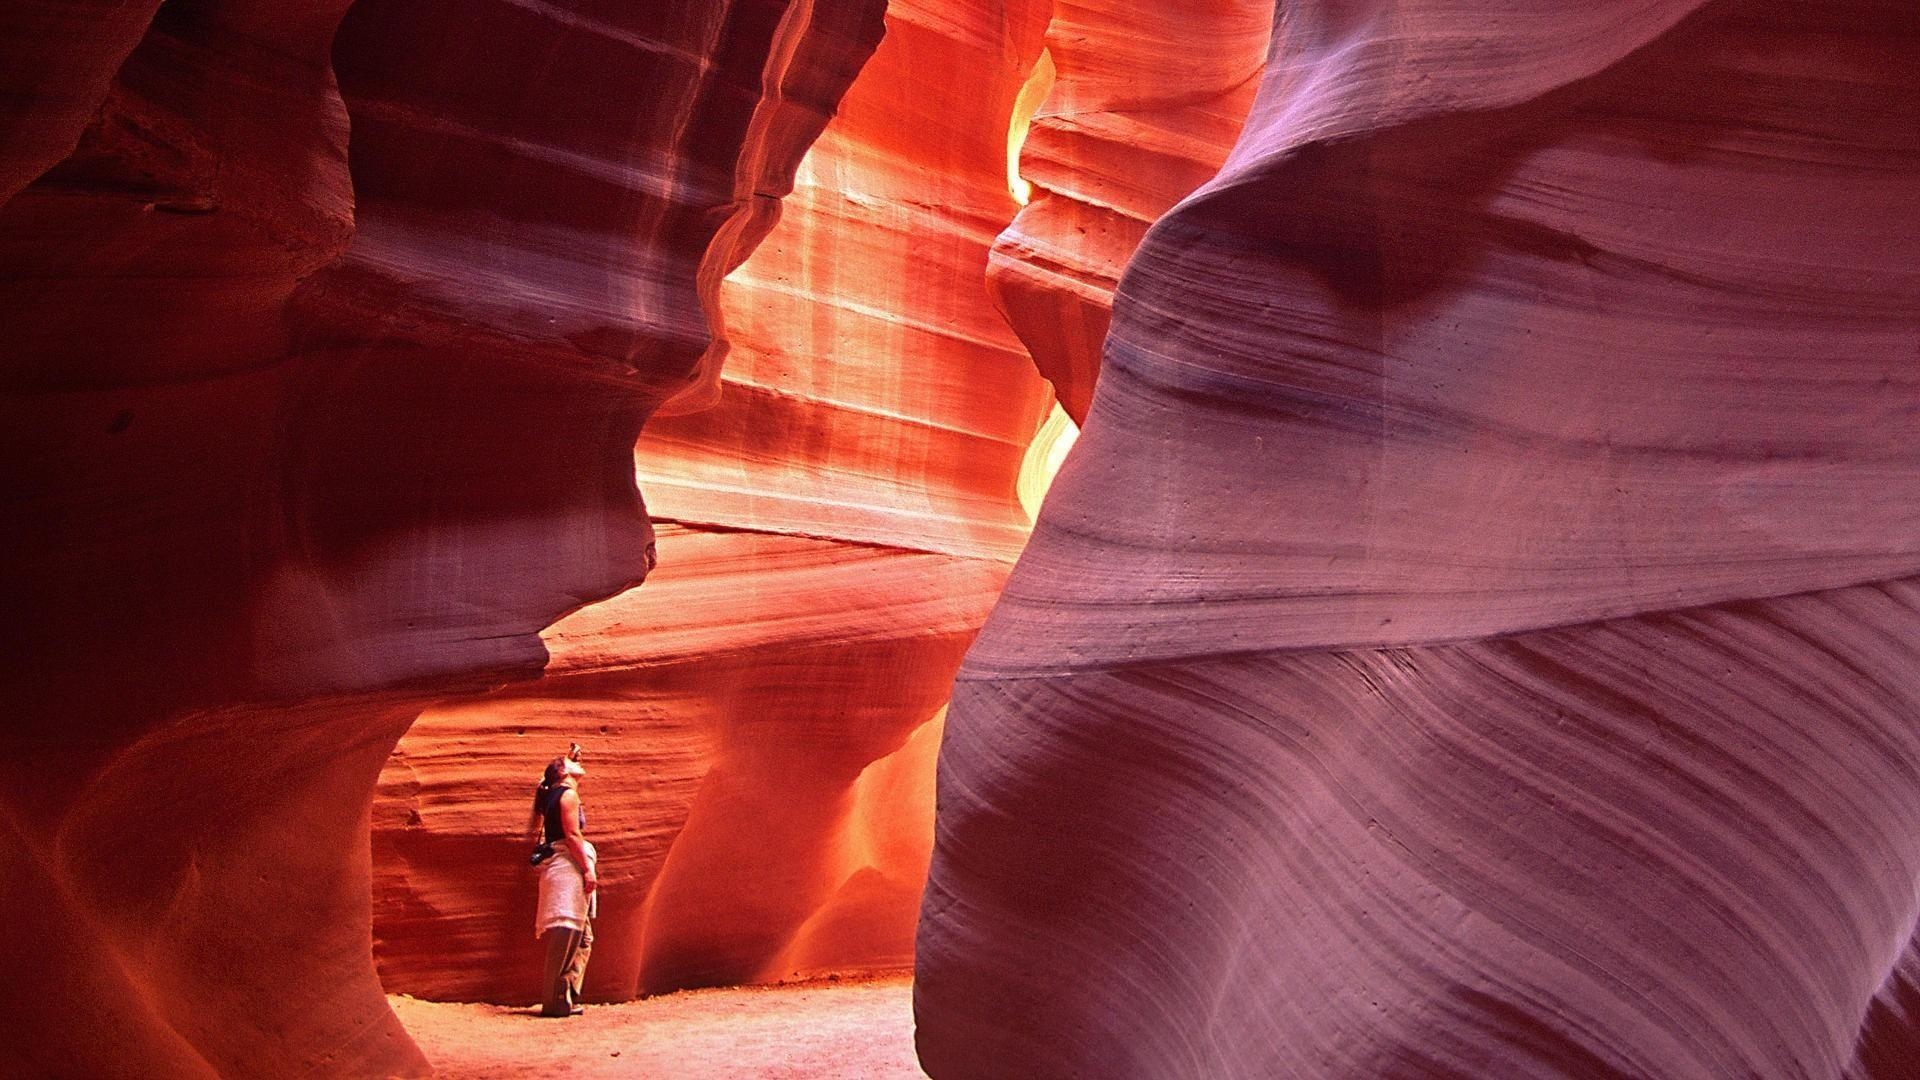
818	1031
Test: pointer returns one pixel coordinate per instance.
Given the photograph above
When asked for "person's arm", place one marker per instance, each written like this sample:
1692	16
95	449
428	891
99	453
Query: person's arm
577	844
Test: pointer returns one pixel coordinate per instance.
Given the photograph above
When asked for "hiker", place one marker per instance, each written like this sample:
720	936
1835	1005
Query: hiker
568	883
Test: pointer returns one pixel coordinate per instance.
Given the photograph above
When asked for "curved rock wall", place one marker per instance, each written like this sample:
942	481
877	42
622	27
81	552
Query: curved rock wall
1145	101
305	429
1476	632
760	718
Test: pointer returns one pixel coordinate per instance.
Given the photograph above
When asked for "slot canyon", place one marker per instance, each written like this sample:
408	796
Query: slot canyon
1229	538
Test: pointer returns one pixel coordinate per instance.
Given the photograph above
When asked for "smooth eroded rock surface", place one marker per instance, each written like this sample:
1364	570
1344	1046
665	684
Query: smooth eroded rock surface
1476	631
329	331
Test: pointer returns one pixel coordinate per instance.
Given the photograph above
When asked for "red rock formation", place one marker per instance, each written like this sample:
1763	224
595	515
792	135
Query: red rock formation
57	62
304	431
757	717
1477	632
1143	102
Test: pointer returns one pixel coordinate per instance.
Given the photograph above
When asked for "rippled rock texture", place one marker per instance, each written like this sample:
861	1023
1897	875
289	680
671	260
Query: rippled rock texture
329	332
761	719
1477	632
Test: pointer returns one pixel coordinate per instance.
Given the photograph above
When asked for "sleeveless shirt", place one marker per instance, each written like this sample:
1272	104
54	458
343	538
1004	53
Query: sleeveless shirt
555	831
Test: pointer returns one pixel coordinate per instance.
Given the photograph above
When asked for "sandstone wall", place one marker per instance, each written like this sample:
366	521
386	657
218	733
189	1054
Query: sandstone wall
329	332
1475	634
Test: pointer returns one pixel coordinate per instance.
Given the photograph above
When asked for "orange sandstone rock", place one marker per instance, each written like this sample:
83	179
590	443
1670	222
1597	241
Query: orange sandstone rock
760	718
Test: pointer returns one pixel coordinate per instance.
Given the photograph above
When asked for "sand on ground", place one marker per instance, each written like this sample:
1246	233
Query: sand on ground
816	1031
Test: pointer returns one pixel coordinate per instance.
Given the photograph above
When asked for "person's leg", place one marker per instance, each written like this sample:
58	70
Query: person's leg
556	994
576	970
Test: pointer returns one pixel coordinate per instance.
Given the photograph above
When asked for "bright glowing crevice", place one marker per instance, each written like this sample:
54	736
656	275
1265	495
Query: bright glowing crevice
1044	456
1039	83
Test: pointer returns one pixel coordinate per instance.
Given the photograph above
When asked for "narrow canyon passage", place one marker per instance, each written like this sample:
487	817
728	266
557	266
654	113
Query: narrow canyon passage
374	352
762	716
1476	631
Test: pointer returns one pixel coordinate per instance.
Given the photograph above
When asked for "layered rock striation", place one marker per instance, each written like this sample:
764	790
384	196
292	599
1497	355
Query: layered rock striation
761	719
1140	104
1476	631
329	334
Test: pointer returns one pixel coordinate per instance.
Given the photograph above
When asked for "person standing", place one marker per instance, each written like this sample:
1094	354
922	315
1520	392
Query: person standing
568	883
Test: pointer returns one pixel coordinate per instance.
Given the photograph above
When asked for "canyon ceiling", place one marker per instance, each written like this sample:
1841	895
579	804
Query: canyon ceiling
1477	632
